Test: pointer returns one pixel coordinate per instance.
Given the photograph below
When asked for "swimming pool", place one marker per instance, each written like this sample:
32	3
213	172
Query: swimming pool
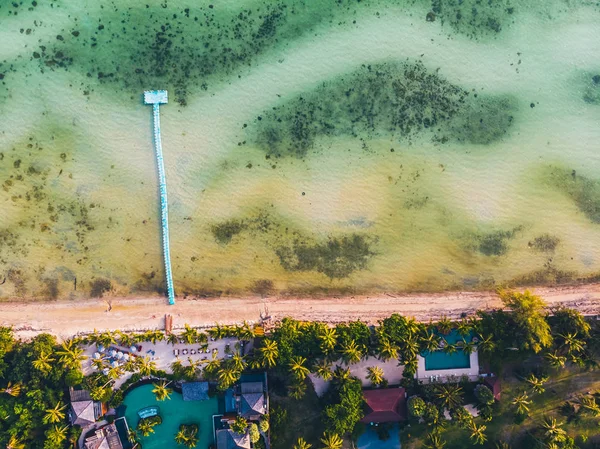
174	411
370	440
439	360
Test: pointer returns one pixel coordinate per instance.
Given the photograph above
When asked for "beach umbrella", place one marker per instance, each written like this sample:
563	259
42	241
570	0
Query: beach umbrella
100	348
113	353
133	349
97	355
119	355
114	364
126	356
105	371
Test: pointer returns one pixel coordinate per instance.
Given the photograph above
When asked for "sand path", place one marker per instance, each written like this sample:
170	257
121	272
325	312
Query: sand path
64	318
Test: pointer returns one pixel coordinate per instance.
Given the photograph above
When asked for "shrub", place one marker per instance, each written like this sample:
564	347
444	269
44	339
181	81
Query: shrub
254	433
416	406
484	395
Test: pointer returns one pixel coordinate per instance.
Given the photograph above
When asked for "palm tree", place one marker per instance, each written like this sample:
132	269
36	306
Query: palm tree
468	347
227	376
328	339
125	339
412	327
434	441
172	339
106	339
239	425
115	372
181	437
342	374
70	355
589	405
477	433
450	396
572	343
269	353
444	325
216	332
387	350
464	327
191	371
553	431
245	332
331	441
522	402
133	437
375	375
537	383
54	415
486	344
57	435
238	363
212	366
430	342
44	362
161	392
323	370
411	349
192	440
449	348
556	360
12	389
298	368
15	443
502	445
351	352
99	364
98	393
297	390
145	428
189	335
410	366
302	444
145	366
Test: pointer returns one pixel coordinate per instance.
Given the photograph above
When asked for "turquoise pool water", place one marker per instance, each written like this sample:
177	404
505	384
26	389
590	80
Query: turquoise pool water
370	440
174	412
438	360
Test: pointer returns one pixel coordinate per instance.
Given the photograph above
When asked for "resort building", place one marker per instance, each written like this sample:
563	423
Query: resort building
228	439
106	437
385	405
441	365
252	400
84	411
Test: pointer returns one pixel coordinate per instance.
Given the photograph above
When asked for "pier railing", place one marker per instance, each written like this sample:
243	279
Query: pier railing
156	98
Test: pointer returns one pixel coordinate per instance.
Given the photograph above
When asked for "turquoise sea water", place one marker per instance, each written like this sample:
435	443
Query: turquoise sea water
310	147
174	412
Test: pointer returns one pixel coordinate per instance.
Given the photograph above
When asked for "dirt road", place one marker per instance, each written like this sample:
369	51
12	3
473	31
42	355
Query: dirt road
66	318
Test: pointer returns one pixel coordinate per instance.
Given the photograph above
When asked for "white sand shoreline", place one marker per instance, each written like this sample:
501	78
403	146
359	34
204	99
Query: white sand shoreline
66	318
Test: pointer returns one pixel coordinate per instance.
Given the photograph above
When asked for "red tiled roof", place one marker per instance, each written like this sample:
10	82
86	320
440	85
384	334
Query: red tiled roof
385	405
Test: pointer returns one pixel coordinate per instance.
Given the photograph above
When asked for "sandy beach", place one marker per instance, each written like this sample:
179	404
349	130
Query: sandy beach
67	318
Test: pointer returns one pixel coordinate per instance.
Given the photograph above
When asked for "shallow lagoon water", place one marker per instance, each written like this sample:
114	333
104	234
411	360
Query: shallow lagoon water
410	154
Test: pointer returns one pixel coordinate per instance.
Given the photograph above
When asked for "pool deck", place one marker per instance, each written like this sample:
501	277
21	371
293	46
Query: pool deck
443	374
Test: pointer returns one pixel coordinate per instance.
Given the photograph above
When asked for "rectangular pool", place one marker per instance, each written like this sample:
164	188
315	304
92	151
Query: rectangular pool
439	360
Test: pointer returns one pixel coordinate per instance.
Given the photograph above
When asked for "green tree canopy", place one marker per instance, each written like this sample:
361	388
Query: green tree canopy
532	331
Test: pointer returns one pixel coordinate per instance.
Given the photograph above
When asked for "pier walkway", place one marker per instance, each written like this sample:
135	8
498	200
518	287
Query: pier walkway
156	98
